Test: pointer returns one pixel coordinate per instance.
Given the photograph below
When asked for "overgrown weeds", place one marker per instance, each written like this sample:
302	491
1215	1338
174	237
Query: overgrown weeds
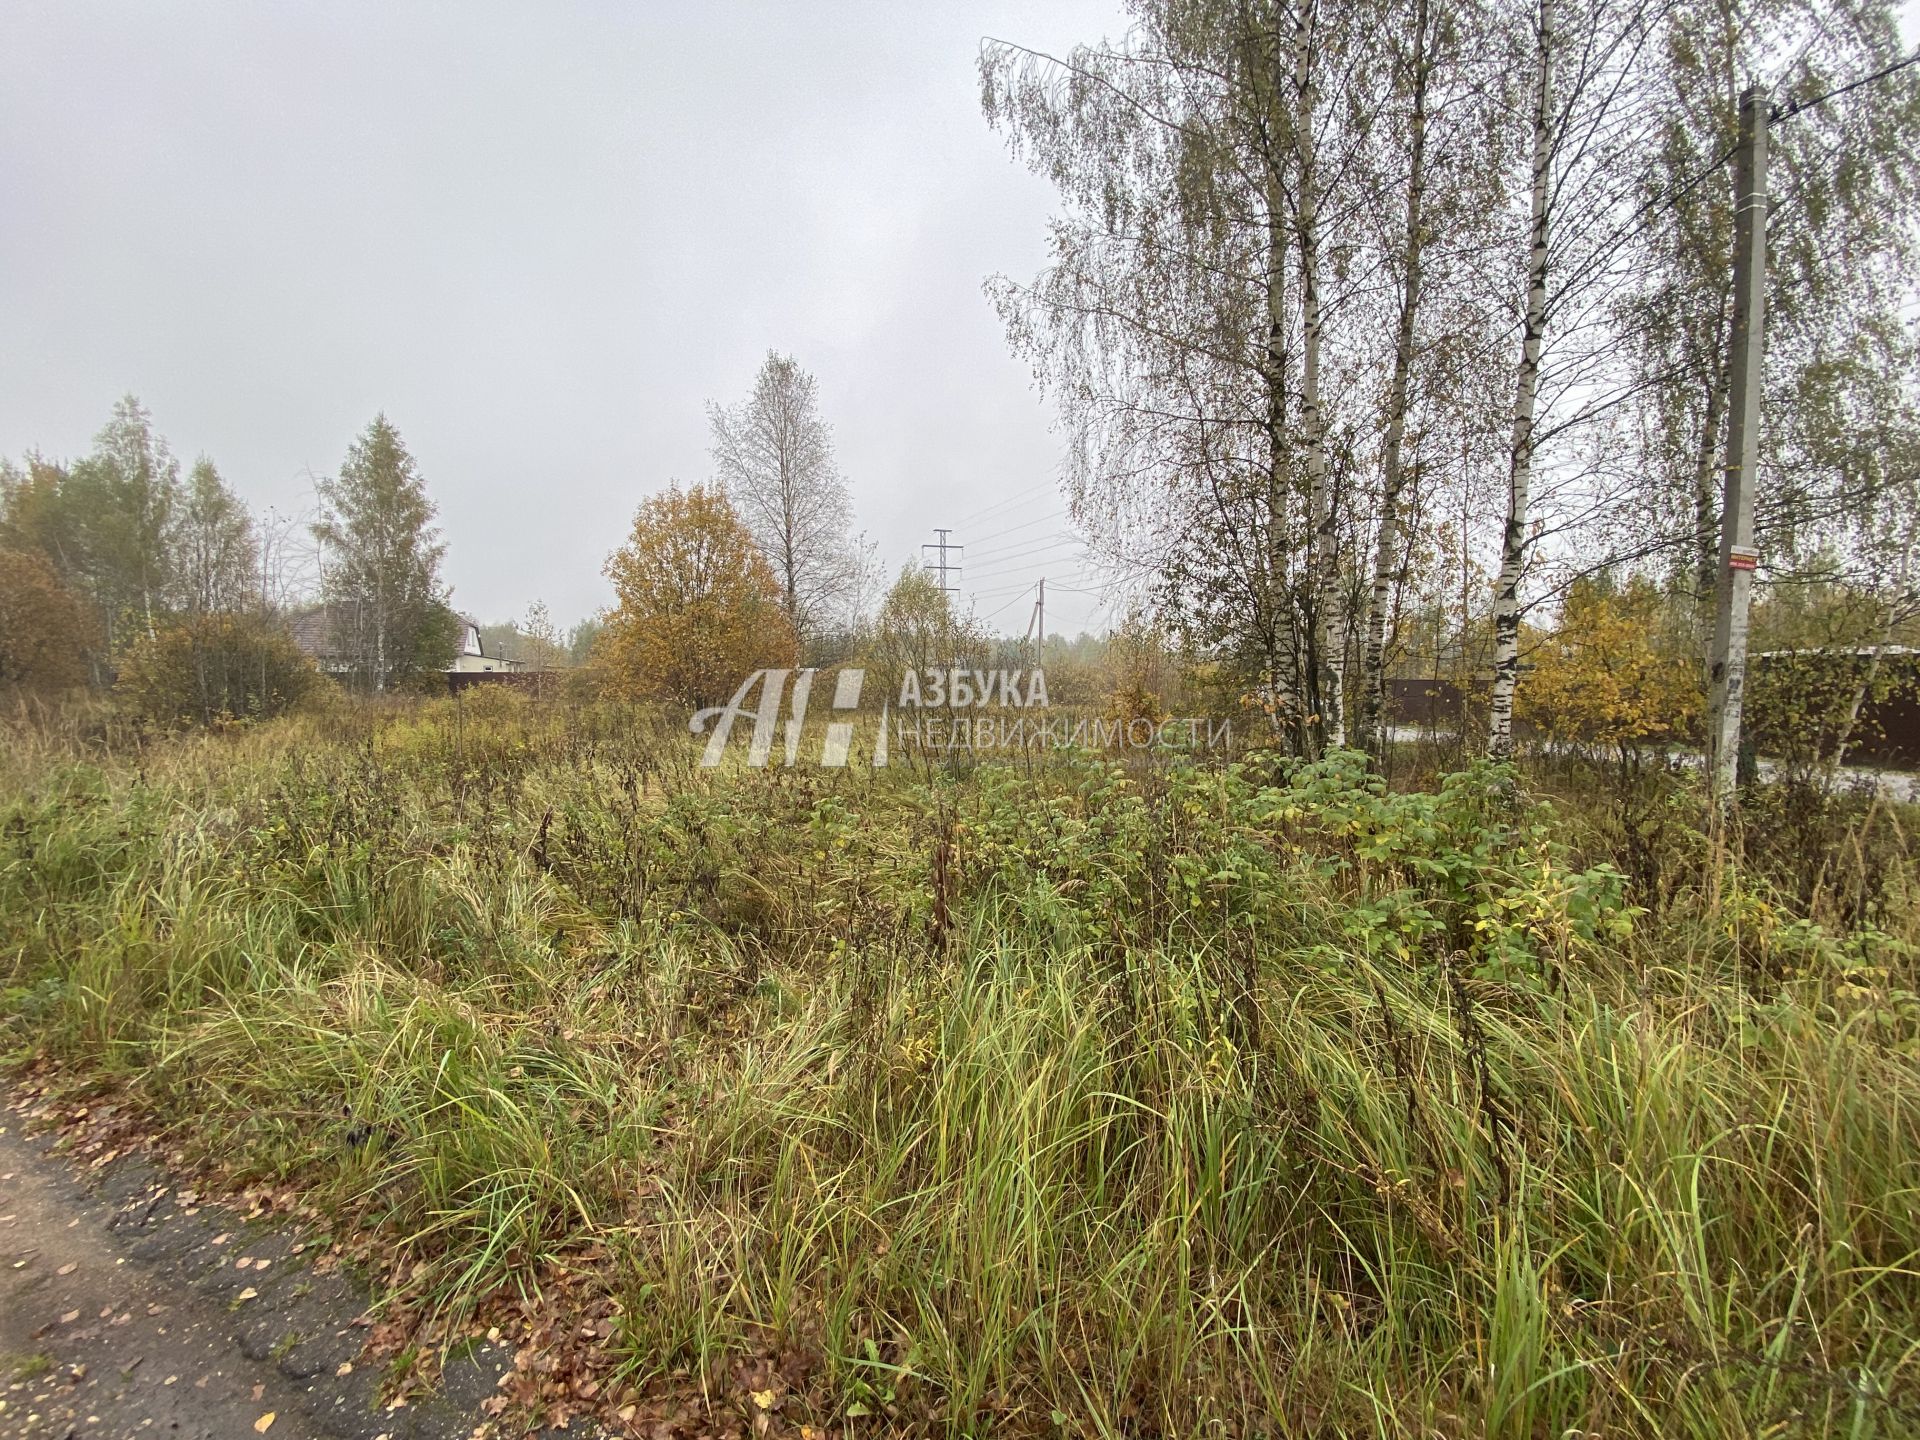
1169	1100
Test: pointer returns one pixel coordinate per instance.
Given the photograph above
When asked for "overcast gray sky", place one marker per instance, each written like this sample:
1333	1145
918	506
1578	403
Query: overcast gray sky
540	237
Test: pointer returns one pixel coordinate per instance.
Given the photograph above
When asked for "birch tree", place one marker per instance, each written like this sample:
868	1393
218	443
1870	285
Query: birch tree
381	561
122	497
1513	553
1323	520
1288	235
1418	65
773	456
1592	121
1184	325
215	556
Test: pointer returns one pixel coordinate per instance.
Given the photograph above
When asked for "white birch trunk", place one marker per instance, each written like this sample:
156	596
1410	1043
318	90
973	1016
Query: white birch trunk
1392	479
380	641
1279	125
1513	549
1326	681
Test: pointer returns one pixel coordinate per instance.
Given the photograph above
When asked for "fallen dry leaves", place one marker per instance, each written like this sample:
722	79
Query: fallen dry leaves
565	1366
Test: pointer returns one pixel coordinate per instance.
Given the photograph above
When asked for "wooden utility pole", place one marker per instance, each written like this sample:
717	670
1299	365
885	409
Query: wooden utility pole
1733	590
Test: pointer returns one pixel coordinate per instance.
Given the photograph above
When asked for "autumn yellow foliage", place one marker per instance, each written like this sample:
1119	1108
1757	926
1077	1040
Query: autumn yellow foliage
208	669
44	629
698	609
1138	664
1618	670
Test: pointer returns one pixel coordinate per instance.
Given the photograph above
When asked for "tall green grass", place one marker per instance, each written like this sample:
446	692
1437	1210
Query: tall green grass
1166	1100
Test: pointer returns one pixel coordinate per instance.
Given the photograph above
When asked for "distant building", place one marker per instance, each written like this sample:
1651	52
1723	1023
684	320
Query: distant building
472	657
325	633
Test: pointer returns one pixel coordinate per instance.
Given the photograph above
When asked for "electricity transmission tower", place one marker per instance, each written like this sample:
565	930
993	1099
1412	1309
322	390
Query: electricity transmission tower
943	545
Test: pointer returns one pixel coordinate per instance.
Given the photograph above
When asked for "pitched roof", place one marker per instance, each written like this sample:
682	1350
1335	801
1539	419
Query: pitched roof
322	631
318	630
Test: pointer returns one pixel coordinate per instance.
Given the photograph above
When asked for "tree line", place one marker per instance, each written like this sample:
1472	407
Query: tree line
760	566
1378	320
117	570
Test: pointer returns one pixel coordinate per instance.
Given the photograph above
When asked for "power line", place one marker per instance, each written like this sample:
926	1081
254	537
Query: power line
1023	525
1012	563
1034	545
1026	566
992	592
1014	502
1781	113
1041	563
1009	605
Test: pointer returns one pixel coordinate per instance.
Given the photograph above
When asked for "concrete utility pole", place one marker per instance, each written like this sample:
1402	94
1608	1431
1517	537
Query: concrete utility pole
1732	597
1036	633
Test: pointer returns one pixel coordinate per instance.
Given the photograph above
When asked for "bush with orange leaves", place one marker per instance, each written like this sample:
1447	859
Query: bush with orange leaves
699	608
45	630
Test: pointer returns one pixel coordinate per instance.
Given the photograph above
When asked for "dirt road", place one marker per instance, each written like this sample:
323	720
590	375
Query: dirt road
128	1310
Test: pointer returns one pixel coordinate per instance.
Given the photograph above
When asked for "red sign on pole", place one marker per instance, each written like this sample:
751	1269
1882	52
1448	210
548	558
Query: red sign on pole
1741	557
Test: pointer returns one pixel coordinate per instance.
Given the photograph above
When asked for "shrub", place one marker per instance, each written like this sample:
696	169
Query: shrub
44	630
212	668
1617	673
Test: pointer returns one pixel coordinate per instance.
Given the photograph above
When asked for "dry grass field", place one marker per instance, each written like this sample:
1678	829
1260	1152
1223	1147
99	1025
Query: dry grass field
1076	1098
